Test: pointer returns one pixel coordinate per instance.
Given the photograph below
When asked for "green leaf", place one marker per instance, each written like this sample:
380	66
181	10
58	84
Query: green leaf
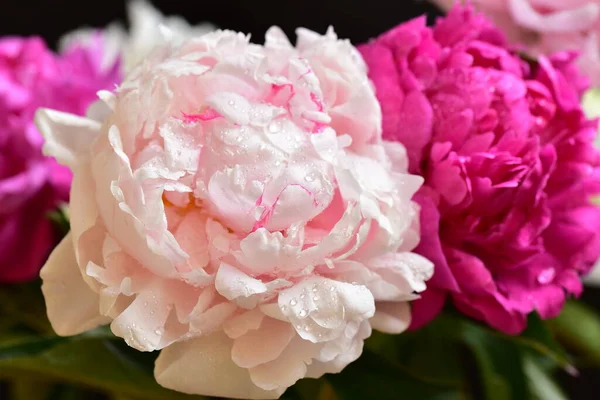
60	218
500	365
90	360
539	338
578	327
310	389
375	377
24	305
542	386
431	354
25	388
591	103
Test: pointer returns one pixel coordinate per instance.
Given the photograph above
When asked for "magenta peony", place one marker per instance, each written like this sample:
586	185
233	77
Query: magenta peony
235	207
31	185
508	162
547	26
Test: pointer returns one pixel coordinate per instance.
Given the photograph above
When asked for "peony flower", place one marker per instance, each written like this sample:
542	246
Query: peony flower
508	161
545	27
147	27
236	208
31	184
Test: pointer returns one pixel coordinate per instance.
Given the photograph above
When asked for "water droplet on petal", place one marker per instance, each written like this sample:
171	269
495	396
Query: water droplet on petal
274	126
293	302
303	313
310	177
316	298
546	276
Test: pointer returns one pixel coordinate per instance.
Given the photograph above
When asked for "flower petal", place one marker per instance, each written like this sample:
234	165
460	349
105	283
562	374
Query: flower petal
68	137
391	317
62	284
253	349
204	366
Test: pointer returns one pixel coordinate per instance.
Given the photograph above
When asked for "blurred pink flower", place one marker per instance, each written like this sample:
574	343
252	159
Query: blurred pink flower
548	26
237	209
31	185
508	161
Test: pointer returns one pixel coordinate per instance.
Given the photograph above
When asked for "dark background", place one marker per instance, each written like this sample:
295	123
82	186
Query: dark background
357	20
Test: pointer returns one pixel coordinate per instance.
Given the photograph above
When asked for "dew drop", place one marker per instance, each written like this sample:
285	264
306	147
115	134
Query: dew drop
316	298
293	302
332	288
274	126
546	276
315	289
231	102
303	313
157	331
310	177
302	296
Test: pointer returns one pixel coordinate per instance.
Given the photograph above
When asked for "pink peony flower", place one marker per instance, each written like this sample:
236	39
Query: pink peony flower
508	162
236	208
31	184
548	26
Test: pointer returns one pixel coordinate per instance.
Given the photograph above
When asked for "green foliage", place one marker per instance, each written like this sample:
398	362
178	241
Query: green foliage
30	352
60	218
578	326
453	358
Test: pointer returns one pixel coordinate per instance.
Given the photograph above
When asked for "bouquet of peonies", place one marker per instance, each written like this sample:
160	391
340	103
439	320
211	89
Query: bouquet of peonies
411	217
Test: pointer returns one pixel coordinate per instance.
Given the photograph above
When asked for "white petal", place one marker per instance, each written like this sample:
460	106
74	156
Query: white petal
391	317
142	323
405	267
287	369
68	137
71	304
262	345
241	324
204	366
101	109
320	308
233	284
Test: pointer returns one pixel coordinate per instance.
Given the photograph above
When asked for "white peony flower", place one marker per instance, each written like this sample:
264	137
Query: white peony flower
148	28
234	206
